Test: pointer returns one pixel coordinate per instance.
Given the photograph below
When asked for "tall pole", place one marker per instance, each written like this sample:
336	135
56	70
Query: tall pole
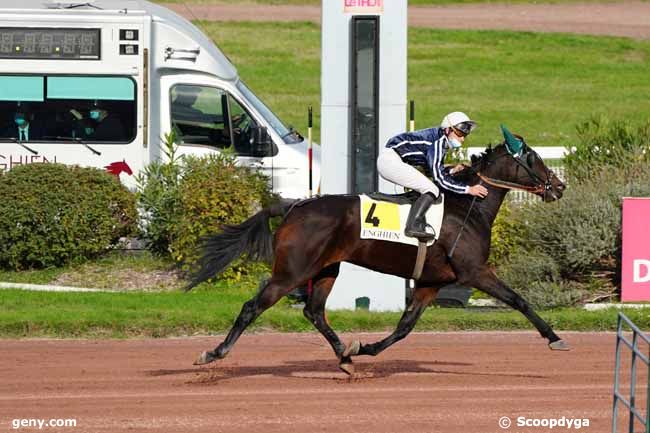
310	148
310	124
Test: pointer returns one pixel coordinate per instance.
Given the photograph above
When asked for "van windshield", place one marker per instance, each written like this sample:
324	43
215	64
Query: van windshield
67	108
288	135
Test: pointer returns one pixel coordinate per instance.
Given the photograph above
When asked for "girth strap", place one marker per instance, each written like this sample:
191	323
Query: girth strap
419	261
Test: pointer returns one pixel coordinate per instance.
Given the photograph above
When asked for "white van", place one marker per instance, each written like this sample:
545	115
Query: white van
99	83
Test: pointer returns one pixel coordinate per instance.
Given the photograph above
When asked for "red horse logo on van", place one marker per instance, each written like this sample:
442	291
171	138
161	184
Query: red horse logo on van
118	167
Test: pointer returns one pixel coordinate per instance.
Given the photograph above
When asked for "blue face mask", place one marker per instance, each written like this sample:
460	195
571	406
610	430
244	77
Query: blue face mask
94	114
454	143
19	119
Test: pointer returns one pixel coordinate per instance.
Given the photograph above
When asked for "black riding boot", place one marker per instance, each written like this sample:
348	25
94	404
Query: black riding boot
416	222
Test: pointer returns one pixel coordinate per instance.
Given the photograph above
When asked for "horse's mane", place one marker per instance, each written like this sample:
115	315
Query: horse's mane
468	174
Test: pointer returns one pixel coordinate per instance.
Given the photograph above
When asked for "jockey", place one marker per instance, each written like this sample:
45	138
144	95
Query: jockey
426	148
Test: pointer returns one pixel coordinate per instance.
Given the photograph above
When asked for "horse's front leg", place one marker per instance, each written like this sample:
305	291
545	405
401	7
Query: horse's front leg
489	283
314	311
422	297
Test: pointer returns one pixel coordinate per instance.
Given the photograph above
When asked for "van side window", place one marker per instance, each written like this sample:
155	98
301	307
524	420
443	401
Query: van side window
67	108
198	115
210	116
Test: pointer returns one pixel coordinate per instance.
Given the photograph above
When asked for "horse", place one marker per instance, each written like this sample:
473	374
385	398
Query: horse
317	234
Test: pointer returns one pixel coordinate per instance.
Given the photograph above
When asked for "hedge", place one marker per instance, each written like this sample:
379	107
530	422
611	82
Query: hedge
54	214
186	198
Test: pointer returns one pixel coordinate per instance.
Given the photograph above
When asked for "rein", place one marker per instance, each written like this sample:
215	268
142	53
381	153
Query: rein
540	187
511	185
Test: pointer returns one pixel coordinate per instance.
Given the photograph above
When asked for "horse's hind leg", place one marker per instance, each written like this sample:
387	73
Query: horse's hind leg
314	311
271	292
421	299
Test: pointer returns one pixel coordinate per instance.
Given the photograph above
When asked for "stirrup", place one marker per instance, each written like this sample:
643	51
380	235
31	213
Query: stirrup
424	236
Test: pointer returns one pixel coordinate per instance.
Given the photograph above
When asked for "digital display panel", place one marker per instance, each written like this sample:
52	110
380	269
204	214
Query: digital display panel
41	43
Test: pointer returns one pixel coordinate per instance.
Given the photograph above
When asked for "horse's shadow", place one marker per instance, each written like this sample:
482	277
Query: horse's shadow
328	370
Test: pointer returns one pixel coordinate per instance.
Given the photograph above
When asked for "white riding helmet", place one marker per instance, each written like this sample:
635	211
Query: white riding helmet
459	121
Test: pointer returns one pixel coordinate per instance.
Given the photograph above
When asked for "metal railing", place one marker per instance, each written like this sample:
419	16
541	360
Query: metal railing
636	353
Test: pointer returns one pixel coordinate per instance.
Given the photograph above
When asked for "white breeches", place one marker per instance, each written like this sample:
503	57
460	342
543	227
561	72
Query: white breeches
393	169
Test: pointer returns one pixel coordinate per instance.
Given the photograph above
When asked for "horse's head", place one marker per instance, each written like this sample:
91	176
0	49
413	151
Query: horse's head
515	165
115	168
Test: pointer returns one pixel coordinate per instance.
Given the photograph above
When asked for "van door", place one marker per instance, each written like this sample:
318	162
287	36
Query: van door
207	119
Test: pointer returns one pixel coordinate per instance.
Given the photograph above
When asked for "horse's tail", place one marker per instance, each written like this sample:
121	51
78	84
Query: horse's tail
252	237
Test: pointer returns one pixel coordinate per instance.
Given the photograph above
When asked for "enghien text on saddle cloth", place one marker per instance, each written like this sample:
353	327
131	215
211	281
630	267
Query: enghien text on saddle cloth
386	221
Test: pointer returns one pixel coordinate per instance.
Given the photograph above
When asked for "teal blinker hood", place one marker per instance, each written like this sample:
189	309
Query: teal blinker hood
513	144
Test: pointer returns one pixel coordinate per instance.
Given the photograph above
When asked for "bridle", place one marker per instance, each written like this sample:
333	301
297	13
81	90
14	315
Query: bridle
540	186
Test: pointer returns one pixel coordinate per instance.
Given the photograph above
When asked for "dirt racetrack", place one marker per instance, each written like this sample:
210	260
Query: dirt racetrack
629	18
430	382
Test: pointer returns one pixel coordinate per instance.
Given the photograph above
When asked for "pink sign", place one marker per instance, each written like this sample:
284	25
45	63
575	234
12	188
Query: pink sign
635	283
363	6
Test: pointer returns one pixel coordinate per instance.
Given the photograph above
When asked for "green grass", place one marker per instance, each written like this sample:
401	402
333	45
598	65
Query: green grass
212	308
540	85
35	276
114	270
162	314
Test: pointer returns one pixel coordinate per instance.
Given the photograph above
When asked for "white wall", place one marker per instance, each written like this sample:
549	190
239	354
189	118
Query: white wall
385	292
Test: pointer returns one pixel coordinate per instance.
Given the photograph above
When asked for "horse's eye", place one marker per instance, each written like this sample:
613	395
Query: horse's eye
530	159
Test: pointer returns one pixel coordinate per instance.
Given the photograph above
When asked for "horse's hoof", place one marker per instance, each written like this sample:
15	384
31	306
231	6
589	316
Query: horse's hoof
559	345
352	349
204	358
347	368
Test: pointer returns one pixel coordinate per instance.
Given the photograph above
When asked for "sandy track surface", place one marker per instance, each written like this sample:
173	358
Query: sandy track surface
430	382
629	19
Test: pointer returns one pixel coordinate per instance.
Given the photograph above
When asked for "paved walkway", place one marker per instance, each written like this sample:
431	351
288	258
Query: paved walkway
629	18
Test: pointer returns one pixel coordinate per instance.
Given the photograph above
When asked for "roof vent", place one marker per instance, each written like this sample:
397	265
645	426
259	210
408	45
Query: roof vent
58	4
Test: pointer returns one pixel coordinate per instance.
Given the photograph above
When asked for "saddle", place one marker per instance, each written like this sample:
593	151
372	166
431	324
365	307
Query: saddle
384	216
408	197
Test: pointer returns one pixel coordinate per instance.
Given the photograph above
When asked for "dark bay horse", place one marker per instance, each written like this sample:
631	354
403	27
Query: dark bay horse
316	235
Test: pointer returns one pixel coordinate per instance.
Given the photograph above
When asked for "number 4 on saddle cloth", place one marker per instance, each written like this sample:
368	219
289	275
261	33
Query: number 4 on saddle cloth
383	217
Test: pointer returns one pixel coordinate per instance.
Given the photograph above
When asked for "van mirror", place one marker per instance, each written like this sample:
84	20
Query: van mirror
262	143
